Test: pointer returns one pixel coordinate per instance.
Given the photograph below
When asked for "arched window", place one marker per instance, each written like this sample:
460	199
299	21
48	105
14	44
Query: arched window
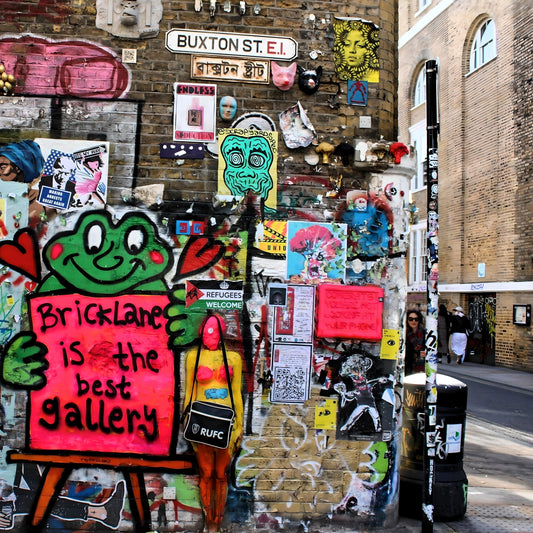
484	45
420	87
418	141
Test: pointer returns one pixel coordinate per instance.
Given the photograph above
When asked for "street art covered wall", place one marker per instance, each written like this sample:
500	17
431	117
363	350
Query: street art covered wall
160	169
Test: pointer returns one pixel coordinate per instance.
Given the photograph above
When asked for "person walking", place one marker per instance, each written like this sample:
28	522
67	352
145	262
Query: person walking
459	327
443	333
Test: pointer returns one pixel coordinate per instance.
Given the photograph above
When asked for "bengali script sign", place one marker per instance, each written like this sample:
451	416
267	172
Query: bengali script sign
111	381
217	68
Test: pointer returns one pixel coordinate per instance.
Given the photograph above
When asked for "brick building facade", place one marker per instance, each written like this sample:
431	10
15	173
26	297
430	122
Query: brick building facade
485	259
141	230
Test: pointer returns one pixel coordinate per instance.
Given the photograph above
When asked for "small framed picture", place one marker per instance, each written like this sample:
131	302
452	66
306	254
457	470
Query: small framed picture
522	314
277	294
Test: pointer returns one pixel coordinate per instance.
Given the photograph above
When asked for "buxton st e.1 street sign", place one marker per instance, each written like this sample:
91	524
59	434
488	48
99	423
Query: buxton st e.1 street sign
182	41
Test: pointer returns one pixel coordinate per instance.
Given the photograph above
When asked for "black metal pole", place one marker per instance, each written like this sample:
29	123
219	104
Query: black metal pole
432	277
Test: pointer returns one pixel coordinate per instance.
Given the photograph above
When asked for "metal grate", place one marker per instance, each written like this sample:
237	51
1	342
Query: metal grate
495	519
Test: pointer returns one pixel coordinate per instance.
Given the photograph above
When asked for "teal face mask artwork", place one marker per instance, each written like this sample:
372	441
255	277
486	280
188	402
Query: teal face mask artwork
227	107
248	161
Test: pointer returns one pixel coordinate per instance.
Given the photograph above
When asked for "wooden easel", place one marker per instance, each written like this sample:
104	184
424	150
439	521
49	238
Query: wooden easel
59	467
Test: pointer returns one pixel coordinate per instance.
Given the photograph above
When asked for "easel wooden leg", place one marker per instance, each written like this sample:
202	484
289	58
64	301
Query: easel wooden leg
138	499
53	480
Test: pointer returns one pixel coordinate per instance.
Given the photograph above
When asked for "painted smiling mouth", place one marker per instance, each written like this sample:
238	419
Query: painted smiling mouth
137	263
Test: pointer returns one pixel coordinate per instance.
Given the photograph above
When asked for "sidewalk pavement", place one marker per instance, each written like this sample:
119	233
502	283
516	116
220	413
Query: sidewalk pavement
494	374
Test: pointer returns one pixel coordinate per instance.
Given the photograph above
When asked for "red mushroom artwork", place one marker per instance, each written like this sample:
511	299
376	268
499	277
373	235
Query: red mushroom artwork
398	150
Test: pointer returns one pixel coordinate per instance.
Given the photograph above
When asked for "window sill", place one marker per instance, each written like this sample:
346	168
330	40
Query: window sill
418	105
420	11
481	66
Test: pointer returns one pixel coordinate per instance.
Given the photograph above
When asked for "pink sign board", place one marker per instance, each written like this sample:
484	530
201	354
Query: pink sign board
349	312
111	381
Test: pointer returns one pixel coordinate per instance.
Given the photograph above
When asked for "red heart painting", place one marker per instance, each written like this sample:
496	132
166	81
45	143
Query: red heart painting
199	254
22	254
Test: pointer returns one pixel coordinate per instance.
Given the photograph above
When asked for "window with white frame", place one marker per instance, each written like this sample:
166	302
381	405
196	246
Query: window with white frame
419	142
420	87
417	254
484	45
422	4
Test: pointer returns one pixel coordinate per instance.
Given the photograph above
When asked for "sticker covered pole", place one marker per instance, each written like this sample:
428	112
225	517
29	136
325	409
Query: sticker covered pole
432	296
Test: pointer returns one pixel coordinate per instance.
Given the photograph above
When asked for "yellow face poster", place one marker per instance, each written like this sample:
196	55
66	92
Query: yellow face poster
247	162
355	49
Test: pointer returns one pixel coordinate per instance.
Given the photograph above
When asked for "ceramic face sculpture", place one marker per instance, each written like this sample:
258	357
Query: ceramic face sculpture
228	107
309	80
283	77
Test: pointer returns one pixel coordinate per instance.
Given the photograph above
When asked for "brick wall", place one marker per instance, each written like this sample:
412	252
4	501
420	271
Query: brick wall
483	185
522	141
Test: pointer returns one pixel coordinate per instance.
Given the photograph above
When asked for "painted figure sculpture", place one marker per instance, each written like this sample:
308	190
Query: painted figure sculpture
212	384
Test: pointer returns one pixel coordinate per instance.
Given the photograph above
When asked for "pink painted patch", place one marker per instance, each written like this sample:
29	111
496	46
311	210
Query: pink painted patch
350	312
56	251
156	257
72	68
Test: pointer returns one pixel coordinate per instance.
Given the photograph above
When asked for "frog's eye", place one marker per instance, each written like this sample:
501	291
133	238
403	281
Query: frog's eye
135	240
95	238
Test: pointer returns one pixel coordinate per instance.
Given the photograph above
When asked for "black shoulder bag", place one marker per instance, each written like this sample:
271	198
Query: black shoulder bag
209	422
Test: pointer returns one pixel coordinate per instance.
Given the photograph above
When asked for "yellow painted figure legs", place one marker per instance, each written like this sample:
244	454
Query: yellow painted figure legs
214	466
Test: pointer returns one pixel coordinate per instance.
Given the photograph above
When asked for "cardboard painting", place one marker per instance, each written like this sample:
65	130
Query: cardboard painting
316	252
247	162
111	380
75	174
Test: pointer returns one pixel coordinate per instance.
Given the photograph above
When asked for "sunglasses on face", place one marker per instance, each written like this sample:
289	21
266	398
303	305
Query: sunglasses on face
413	319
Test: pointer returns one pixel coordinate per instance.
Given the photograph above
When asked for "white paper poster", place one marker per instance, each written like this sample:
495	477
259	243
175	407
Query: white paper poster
291	371
75	173
294	322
